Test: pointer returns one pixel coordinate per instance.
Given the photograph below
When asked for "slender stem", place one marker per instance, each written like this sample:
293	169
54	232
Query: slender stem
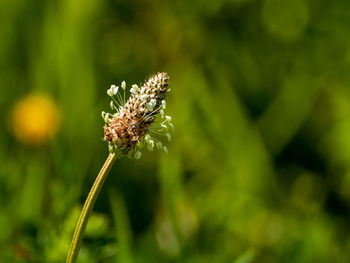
87	209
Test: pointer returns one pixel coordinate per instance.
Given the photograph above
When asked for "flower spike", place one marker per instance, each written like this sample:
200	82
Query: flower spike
130	127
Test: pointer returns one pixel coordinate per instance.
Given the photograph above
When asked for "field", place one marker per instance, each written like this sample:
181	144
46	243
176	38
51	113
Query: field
258	167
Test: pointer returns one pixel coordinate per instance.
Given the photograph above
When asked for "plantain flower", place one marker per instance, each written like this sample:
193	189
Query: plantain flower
134	125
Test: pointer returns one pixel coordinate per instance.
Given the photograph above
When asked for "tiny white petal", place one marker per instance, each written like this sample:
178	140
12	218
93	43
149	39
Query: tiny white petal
144	97
150	145
106	119
110	92
111	104
159	145
163	104
123	85
168	118
135	87
115	90
161	112
132	91
154	102
149	106
164	126
137	155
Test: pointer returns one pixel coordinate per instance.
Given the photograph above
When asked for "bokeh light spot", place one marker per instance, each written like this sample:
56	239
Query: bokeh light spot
285	19
35	119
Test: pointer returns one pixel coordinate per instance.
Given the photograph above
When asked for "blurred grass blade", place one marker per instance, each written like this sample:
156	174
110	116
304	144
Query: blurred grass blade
123	231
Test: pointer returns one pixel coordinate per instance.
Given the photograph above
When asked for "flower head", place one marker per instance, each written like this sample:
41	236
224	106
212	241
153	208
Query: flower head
128	130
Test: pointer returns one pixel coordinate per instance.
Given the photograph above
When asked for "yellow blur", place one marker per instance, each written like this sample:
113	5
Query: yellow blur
35	119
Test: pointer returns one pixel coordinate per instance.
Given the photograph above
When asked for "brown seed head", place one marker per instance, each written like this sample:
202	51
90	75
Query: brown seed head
133	120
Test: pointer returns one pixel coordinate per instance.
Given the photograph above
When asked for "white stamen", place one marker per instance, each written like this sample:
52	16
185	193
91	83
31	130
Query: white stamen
143	97
115	89
106	119
150	145
135	87
161	112
154	102
123	85
110	92
159	145
137	155
149	106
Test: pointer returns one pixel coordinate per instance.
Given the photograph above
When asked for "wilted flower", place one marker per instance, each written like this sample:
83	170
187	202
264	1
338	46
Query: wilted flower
128	130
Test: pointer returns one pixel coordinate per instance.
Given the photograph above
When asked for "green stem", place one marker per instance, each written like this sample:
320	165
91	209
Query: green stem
87	209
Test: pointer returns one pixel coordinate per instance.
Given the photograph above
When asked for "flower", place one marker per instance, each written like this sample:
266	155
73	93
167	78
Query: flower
130	128
35	119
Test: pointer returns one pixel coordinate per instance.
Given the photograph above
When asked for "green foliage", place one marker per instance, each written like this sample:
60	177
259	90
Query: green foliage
258	167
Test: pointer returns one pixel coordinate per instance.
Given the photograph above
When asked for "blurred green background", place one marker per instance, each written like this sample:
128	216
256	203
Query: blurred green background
259	166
